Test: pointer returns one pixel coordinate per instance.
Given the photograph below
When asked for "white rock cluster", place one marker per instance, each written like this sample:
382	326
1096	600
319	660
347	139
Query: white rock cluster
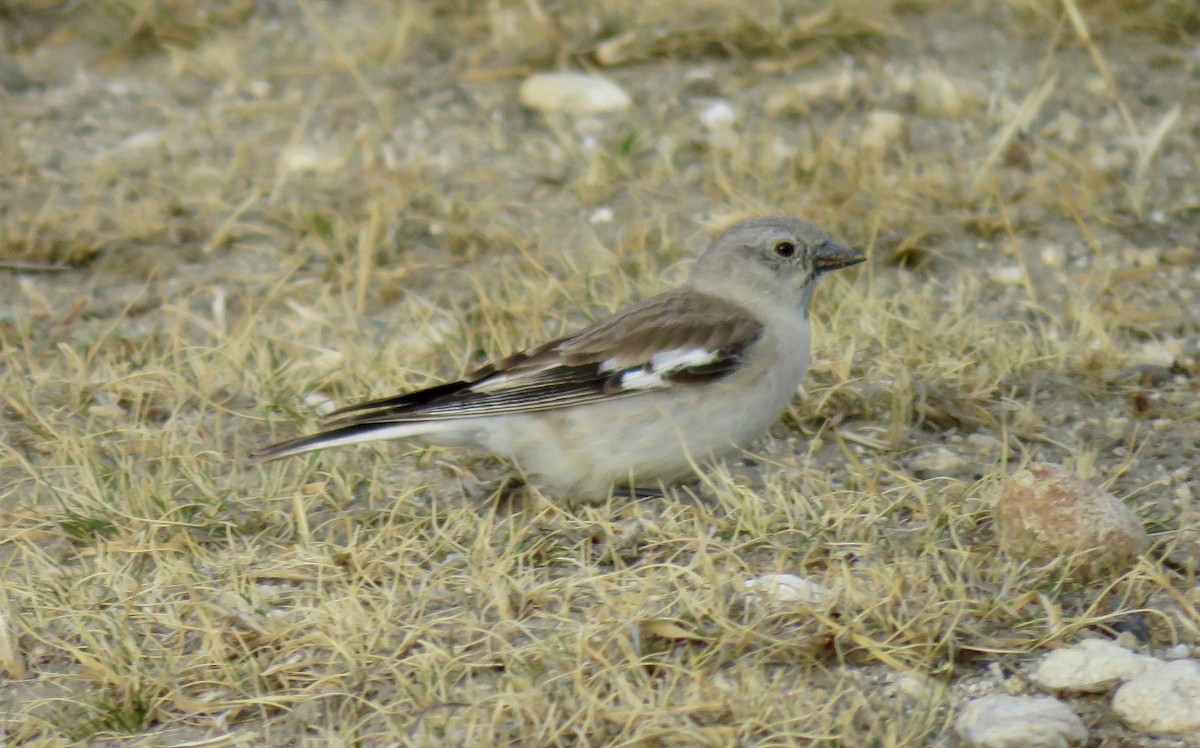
1149	694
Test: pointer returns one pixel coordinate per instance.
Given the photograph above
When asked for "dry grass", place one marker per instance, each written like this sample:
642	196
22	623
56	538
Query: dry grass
296	203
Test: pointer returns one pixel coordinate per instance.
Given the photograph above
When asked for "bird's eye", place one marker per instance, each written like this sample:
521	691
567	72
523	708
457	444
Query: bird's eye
785	249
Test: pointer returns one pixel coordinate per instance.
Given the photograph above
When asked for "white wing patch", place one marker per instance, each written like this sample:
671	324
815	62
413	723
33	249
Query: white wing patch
682	358
650	376
640	379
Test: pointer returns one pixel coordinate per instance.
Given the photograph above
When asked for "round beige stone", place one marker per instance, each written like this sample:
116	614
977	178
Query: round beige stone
1046	512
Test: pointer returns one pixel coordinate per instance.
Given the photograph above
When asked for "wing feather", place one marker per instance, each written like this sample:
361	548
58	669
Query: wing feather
680	338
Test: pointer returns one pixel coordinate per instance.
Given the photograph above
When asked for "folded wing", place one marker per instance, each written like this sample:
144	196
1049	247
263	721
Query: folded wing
678	339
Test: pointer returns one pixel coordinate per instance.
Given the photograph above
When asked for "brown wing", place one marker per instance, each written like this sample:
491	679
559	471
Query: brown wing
680	338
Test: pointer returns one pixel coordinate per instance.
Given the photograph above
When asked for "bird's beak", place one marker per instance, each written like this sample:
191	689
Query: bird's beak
832	256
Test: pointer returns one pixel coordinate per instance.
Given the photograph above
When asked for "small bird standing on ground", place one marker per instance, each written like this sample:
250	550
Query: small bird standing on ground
643	397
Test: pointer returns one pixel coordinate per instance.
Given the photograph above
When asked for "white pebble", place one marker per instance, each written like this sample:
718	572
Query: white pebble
574	93
787	589
937	94
1053	256
1165	699
1091	666
310	159
719	113
1009	275
1001	721
719	119
882	130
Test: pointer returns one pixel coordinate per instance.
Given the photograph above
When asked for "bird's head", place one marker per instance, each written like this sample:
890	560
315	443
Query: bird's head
770	260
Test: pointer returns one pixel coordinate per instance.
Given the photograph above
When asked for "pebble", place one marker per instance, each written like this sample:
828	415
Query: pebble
1163	700
719	119
1181	256
1008	275
1053	257
1160	352
787	589
310	159
985	443
937	94
603	214
573	93
1046	511
938	461
1091	666
1001	721
882	130
916	687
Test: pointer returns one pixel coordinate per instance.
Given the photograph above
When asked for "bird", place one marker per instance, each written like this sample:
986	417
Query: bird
643	398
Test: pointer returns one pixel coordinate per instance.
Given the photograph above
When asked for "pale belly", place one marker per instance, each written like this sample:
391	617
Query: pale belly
646	439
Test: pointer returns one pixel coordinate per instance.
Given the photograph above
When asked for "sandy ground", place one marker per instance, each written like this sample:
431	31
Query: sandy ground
216	219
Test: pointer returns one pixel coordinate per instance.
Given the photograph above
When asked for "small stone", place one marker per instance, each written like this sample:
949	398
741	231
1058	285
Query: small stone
916	687
1160	352
720	119
984	444
1008	275
787	589
937	94
1046	511
1067	127
601	215
718	113
1091	666
1181	256
573	93
1165	699
306	158
938	461
259	88
1053	257
1000	721
883	130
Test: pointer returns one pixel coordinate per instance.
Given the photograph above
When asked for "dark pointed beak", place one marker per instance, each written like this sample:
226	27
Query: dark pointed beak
833	256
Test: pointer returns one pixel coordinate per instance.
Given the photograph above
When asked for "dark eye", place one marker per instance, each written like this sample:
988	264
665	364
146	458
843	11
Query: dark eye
785	249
